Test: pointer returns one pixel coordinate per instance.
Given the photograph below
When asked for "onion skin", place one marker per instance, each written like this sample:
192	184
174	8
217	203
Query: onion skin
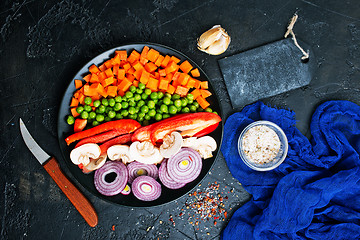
165	178
151	170
116	186
192	170
146	196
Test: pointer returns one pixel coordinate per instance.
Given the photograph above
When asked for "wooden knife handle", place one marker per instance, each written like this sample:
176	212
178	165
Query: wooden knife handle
72	193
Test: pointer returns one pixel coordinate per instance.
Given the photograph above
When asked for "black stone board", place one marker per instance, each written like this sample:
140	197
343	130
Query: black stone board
266	71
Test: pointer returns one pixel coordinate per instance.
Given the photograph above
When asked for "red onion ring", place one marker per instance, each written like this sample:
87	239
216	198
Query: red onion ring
117	185
146	188
149	170
166	180
184	173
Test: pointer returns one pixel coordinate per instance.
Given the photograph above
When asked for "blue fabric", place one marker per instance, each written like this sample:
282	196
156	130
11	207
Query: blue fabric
315	192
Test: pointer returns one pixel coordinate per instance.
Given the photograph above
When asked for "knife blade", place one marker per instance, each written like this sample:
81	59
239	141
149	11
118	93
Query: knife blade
51	165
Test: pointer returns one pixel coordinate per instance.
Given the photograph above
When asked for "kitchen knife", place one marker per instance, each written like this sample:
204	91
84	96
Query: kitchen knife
52	167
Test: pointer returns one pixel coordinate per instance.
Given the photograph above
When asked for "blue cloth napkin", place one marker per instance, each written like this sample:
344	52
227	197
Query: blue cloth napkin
315	192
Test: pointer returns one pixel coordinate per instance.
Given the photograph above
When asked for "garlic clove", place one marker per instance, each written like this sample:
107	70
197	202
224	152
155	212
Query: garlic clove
214	41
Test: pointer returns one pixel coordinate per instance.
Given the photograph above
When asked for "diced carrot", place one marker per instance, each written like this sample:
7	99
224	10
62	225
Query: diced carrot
137	65
135	83
121	74
159	60
100	89
134	55
116	60
195	72
174	59
150	67
124	85
112	91
78	83
172	67
204	85
96	97
152	83
156	75
74	113
102	67
185	66
87	77
152	55
137	73
126	66
176	76
102	76
81	98
144	77
94	69
74	102
108	81
108	63
182	91
197	83
144	52
196	93
94	78
202	102
169	76
205	93
131	70
170	89
115	69
175	83
143	60
162	72
89	91
163	84
76	94
130	77
190	83
122	54
183	78
109	72
165	62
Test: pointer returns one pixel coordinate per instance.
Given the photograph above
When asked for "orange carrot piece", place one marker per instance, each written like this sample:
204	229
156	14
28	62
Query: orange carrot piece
126	66
205	93
145	76
137	73
130	77
170	89
89	91
163	84
156	75
172	67
109	72
121	74
115	69
108	81
143	60
134	55
122	54
135	83
108	63
87	77
152	55
182	91
137	65
94	78
74	102
144	52
152	84
195	72
74	113
102	67
202	102
159	60
166	61
116	60
150	67
190	83
124	85
78	83
174	59
131	70
204	85
112	91
197	83
81	98
102	76
94	69
162	72
183	78
186	66
99	89
196	93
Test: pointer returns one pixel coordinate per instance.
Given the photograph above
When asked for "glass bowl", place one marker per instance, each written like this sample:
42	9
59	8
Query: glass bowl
275	161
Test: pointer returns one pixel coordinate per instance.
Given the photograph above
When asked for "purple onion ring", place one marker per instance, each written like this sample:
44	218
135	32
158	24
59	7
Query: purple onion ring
149	170
166	180
146	188
117	185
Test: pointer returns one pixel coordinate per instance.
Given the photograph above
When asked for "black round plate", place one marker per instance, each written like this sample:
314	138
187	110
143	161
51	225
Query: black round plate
86	180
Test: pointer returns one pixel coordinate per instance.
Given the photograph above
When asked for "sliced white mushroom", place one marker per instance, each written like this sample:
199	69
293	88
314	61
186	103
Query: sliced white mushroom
119	153
189	142
145	152
84	153
205	146
171	144
95	164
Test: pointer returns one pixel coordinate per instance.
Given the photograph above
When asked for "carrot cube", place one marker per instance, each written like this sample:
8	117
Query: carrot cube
78	83
186	66
152	55
112	91
195	72
94	69
150	67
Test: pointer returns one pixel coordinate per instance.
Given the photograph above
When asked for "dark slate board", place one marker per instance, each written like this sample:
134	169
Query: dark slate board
266	71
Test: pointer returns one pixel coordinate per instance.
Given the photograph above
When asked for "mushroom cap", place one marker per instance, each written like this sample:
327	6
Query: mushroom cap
145	152
119	152
171	145
84	153
95	163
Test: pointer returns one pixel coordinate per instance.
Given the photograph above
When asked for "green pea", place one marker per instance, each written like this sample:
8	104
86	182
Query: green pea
118	99
95	123
193	108
141	103
166	115
111	114
142	86
70	120
147	117
124	105
141	114
107	119
147	91
144	109
139	91
140	119
129	94
108	109
80	109
196	104
184	102
137	109
124	113
158	117
132	110
88	100
152	112
189	96
133	116
132	88
154	95
112	102
156	101
100	117
97	103
178	109
160	95
132	103
177	103
105	102
166	100
92	115
164	108
101	109
208	109
87	108
151	104
137	97
84	115
190	101
172	109
168	95
117	106
216	113
144	96
118	116
175	96
185	110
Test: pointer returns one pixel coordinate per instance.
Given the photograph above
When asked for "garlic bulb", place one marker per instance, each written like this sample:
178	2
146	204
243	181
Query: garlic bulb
214	41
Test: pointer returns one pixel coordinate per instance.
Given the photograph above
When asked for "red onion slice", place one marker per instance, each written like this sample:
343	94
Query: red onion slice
166	179
137	169
146	188
185	166
127	190
116	185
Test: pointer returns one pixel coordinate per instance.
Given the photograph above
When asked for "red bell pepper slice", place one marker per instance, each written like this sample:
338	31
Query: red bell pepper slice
129	125
102	137
79	124
187	124
207	130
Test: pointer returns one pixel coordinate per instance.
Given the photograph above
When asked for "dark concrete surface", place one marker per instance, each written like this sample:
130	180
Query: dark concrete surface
44	43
